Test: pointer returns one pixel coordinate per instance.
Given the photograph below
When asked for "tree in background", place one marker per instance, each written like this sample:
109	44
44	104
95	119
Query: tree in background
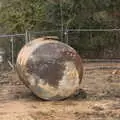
20	15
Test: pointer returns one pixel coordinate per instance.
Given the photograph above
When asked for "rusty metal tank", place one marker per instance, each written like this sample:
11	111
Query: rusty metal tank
51	69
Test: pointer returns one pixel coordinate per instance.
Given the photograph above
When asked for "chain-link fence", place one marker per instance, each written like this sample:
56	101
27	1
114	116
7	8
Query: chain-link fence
96	44
10	45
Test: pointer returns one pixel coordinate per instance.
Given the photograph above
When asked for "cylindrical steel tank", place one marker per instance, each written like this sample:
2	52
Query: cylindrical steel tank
51	69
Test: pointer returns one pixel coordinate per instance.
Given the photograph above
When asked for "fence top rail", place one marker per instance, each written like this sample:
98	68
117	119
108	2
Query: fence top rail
78	30
92	30
67	30
12	35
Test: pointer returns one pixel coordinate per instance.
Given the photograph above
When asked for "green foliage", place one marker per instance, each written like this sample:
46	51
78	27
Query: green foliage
20	15
37	15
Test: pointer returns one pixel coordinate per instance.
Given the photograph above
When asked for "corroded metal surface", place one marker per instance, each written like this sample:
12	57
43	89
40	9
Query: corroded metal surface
51	69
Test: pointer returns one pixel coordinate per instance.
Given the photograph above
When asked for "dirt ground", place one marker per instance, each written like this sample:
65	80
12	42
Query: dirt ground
99	97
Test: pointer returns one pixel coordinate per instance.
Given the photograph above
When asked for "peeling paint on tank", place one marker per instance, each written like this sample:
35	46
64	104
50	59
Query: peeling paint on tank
69	84
51	69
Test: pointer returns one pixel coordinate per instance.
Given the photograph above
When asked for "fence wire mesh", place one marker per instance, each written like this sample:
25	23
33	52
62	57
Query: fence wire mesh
94	45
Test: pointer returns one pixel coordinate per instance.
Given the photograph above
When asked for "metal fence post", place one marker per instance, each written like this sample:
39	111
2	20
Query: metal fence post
26	37
12	51
66	37
29	36
62	21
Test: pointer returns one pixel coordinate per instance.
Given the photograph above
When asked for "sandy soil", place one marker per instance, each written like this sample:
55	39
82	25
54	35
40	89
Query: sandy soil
99	98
